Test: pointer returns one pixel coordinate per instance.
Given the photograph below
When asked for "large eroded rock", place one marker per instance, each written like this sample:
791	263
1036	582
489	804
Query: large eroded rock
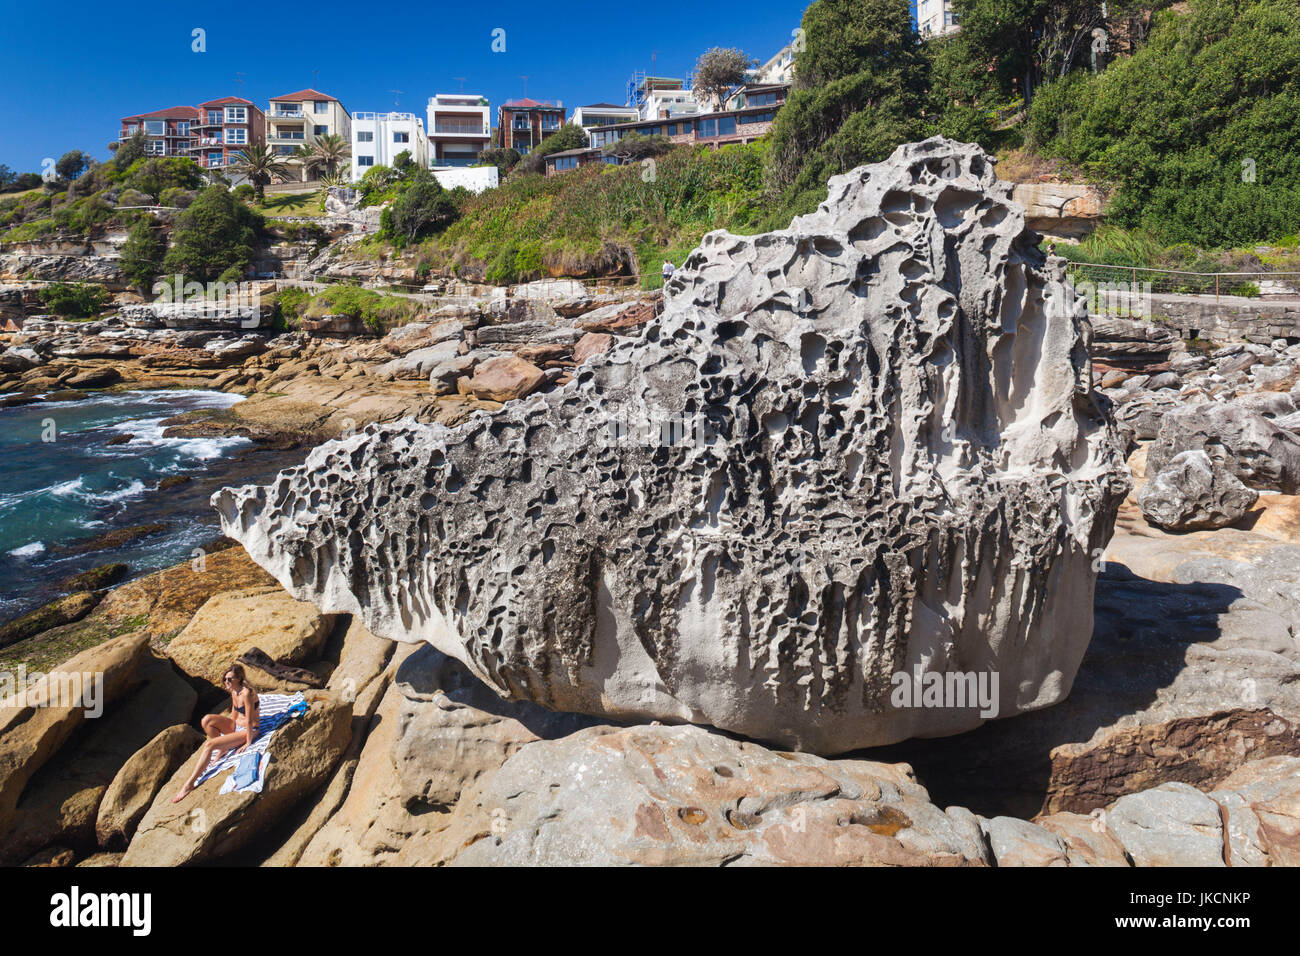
847	450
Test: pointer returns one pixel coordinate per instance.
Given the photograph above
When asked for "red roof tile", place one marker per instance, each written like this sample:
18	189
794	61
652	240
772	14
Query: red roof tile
228	101
172	112
303	95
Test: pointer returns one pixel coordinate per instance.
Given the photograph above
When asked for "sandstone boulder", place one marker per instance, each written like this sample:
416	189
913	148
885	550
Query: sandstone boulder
138	782
1193	492
1254	449
832	462
683	796
502	378
232	622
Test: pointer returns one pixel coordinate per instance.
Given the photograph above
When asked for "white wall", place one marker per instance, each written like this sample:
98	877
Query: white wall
382	147
474	178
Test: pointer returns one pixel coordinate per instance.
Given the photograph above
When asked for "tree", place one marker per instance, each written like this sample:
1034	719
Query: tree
568	136
157	174
7	178
143	253
213	235
419	209
71	165
504	159
329	151
858	94
130	150
634	147
74	299
261	165
718	70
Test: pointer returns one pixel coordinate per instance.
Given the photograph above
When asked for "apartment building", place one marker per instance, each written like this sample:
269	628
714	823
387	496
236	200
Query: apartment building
779	68
935	18
169	132
300	119
658	97
524	123
459	128
225	127
712	129
379	138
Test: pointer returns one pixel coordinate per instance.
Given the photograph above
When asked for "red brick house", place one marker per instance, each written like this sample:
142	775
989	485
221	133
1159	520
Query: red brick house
227	126
524	123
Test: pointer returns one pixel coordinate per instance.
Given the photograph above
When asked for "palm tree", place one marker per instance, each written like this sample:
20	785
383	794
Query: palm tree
261	165
305	157
329	150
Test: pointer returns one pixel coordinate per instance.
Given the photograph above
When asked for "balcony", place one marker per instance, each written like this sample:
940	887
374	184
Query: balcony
460	129
287	114
297	136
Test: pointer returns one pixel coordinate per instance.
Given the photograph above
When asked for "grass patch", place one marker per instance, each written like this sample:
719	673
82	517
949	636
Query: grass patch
292	204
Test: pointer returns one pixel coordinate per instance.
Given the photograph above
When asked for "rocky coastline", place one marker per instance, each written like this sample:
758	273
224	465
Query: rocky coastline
1157	725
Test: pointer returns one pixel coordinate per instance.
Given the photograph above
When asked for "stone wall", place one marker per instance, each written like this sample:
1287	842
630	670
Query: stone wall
1228	318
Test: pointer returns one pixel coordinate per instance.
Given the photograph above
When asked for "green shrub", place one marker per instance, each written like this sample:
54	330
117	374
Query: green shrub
74	299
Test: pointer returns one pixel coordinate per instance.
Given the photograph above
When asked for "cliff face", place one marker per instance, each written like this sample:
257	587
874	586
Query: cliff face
859	448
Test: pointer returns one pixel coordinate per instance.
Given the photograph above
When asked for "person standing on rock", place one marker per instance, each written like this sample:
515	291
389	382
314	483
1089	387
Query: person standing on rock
226	733
668	271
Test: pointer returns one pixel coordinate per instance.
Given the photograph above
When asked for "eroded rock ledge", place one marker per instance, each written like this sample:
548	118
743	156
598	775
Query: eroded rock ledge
860	445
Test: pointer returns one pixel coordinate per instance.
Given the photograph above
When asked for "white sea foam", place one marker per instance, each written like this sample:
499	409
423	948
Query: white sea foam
27	550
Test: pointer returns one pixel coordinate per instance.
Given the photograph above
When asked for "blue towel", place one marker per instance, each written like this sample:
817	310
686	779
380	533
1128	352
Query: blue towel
246	770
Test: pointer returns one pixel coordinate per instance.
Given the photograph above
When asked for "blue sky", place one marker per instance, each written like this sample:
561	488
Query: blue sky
74	70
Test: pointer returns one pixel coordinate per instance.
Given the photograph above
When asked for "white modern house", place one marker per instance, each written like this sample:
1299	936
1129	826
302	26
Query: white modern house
459	128
935	18
604	114
779	68
379	138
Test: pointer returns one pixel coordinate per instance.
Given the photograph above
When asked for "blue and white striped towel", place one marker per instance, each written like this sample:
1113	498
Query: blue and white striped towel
274	710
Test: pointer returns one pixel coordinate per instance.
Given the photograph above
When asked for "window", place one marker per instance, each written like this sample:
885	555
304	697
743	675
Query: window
767	116
154	127
727	126
214	117
762	99
672	129
320	130
365	160
365	136
401	137
214	159
183	128
236	114
566	162
321	106
237	136
155	147
132	128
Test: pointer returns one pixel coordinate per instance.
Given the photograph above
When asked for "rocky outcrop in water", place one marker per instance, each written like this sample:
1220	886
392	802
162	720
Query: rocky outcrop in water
859	448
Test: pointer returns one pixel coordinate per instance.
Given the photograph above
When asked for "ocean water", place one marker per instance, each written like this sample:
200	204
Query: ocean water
75	486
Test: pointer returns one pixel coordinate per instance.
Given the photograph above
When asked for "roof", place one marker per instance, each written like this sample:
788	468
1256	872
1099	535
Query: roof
529	104
303	95
228	101
608	106
172	112
688	117
573	152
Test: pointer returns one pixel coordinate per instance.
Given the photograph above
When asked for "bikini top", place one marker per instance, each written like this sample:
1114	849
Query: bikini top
240	710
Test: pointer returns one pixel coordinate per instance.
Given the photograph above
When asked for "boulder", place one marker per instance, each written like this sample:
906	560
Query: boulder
593	343
1192	492
138	782
1254	449
95	378
37	719
60	804
502	378
775	513
208	825
682	796
233	622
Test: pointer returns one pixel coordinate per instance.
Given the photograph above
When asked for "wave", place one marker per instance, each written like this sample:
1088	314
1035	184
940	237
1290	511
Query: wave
27	550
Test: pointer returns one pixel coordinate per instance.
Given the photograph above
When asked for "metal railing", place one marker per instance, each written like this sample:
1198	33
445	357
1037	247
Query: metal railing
1181	282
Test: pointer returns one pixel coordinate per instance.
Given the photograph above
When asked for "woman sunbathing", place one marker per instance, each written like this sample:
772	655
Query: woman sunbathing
226	733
